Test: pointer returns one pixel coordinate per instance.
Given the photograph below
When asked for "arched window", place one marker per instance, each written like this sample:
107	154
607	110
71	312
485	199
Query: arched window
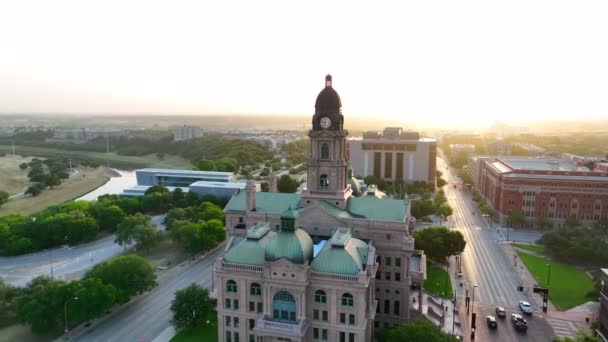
324	151
255	289
231	286
284	307
320	297
323	181
347	299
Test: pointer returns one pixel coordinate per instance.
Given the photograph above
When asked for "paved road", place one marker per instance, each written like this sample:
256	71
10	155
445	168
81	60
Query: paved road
149	315
66	262
485	265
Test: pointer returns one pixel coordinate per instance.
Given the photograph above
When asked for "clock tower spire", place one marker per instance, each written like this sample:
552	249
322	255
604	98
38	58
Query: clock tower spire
327	177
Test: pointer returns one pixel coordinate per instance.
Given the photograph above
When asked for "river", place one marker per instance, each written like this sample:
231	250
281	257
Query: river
114	186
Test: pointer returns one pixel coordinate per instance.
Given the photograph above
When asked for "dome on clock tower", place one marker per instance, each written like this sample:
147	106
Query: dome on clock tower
328	100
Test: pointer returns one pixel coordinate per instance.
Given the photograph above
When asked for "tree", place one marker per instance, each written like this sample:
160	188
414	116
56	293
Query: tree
286	184
445	210
137	229
129	274
94	298
188	235
209	211
156	202
420	329
440	181
160	189
572	222
34	190
42	305
108	216
422	208
206	165
543	222
191	306
516	217
52	180
160	156
179	214
9	297
264	186
23	166
439	242
3	197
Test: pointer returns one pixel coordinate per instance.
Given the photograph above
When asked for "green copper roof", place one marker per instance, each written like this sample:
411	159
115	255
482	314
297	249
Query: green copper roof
293	245
332	209
265	202
374	208
342	255
250	250
246	252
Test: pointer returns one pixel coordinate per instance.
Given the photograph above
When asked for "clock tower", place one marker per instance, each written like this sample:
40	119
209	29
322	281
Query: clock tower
327	177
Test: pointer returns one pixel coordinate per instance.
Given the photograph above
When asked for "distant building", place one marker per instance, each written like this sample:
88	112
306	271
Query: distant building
499	148
552	188
219	184
393	154
602	330
186	133
467	149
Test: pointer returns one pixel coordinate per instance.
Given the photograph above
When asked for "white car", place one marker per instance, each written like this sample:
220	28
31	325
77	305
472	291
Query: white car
525	307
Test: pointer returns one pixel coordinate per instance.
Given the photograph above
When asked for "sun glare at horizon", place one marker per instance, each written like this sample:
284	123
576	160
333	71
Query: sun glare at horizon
472	60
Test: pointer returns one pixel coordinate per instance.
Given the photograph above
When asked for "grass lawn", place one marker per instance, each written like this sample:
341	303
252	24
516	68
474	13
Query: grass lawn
67	191
12	179
113	158
568	284
436	281
207	333
540	249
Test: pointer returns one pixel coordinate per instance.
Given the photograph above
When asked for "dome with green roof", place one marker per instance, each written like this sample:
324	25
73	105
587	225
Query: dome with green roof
341	255
290	243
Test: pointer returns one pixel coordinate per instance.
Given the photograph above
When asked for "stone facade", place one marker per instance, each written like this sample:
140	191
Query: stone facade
381	293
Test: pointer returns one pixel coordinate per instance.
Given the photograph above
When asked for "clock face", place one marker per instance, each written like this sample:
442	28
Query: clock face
325	122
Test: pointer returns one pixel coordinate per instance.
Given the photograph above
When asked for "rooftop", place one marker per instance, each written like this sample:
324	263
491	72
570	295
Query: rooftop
188	172
538	164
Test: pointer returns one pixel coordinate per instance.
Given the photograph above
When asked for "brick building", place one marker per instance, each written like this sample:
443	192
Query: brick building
553	188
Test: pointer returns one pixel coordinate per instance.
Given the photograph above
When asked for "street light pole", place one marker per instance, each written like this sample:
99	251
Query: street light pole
473	300
548	274
65	313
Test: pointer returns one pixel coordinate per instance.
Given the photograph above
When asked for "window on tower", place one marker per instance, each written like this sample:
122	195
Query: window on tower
324	151
323	182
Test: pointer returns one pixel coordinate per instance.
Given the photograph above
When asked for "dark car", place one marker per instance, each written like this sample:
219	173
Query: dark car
491	320
519	322
501	312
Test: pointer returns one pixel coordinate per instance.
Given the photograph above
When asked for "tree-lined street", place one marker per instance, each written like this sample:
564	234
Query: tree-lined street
485	266
63	263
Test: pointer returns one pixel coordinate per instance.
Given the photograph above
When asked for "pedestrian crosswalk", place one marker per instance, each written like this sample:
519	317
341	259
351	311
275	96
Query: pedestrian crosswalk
562	328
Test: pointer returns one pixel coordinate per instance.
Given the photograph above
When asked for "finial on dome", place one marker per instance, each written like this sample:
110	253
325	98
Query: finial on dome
328	80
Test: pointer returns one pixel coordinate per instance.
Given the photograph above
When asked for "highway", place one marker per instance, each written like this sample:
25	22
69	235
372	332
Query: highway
149	315
485	266
64	263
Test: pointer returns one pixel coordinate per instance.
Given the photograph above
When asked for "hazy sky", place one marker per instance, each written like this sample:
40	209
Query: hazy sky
418	60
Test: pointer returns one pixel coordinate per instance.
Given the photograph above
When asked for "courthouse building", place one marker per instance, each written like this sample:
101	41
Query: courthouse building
320	265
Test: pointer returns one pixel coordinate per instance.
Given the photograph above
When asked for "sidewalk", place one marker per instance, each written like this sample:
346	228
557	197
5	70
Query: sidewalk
438	311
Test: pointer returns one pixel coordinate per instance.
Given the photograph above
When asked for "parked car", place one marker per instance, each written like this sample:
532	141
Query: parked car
491	320
501	312
525	307
519	322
